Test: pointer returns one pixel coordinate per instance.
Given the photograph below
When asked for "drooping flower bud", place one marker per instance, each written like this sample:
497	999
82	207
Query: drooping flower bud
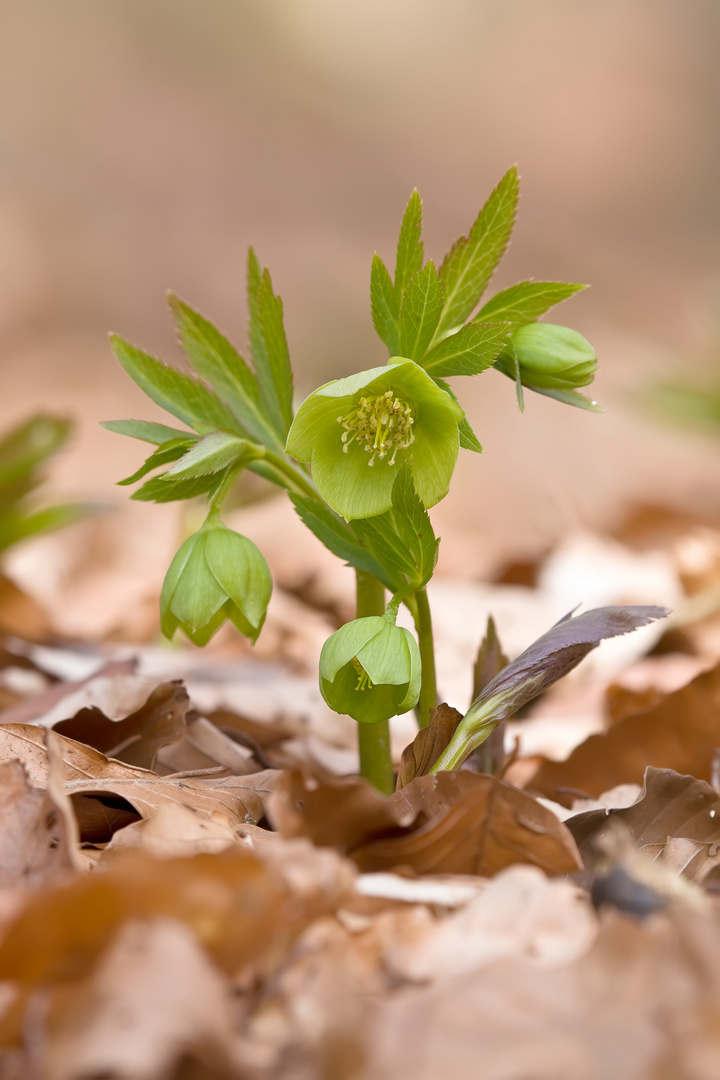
553	360
357	431
370	669
216	575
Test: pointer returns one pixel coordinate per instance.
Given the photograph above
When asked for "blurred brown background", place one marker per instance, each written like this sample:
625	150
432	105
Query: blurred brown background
146	143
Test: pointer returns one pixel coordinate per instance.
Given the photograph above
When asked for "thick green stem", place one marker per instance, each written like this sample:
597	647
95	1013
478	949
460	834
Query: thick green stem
423	624
373	739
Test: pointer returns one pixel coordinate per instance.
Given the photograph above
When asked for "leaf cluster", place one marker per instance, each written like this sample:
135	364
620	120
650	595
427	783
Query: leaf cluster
239	413
426	313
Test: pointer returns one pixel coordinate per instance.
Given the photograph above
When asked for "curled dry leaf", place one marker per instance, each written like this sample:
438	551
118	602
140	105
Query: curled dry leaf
107	794
428	744
471	824
679	733
675	821
137	739
452	823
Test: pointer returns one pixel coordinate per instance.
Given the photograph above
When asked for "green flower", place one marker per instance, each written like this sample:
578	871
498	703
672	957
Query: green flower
355	431
216	575
370	669
553	360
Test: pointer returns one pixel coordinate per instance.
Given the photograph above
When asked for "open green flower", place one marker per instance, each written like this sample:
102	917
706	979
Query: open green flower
355	430
370	669
216	575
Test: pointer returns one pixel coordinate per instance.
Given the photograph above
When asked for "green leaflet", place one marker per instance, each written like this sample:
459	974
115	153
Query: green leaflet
215	359
409	259
212	454
162	489
402	539
180	394
384	305
268	347
144	430
468	438
468	352
471	262
169	451
526	301
420	313
338	537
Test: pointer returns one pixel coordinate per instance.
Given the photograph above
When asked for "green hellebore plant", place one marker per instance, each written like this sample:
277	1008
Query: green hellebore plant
370	669
353	431
216	575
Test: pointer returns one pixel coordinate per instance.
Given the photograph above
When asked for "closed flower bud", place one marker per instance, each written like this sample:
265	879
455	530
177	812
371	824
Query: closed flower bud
356	432
370	669
550	358
216	575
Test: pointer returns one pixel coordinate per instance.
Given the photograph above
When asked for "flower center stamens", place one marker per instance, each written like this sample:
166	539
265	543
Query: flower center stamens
379	424
363	682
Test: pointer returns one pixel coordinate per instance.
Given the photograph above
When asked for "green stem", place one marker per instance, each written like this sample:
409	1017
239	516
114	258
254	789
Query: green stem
373	739
428	688
289	473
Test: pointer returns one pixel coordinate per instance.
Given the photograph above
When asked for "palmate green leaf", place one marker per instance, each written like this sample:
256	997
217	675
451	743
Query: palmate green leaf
384	305
169	451
402	539
213	453
471	262
215	359
527	301
409	259
145	430
468	352
180	394
420	313
468	438
338	537
268	347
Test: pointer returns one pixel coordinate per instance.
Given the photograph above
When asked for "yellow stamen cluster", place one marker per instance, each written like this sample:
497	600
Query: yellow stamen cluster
382	423
363	682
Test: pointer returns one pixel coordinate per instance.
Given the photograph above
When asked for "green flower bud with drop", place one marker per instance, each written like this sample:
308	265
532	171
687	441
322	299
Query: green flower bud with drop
370	669
356	431
552	360
216	575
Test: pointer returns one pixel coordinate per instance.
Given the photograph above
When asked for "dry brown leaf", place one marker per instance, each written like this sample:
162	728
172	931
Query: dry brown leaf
174	831
137	739
108	794
204	745
428	744
155	999
676	821
681	732
34	846
468	823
